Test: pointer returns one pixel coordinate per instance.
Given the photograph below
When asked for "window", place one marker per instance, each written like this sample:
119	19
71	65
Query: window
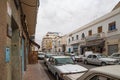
100	29
77	37
90	56
83	35
69	40
94	56
59	42
112	26
90	32
72	38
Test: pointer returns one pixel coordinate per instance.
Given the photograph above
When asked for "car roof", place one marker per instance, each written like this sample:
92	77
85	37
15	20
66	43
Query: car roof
61	56
113	71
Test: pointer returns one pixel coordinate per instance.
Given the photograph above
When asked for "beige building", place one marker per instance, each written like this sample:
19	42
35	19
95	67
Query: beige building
101	35
47	41
17	24
59	44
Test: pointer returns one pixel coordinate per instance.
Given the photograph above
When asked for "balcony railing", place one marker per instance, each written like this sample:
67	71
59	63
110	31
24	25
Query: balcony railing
95	36
88	38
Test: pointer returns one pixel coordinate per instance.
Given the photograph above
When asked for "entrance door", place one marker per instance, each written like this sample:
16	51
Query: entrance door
112	49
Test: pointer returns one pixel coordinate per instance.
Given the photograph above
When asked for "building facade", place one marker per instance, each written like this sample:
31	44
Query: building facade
101	35
47	41
17	24
59	44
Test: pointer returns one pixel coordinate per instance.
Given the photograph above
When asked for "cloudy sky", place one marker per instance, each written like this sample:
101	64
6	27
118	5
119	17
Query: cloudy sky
64	16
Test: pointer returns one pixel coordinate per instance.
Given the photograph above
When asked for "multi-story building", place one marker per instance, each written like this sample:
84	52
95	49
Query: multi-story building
47	41
101	35
59	44
17	24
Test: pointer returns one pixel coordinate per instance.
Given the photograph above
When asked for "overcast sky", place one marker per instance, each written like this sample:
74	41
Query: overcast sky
64	16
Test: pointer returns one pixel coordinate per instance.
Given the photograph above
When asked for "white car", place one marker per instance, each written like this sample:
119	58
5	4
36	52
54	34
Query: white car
99	59
47	56
63	65
41	55
115	56
99	73
86	54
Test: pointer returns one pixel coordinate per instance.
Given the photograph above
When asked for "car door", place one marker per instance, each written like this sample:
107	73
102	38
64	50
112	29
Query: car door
51	65
95	60
89	59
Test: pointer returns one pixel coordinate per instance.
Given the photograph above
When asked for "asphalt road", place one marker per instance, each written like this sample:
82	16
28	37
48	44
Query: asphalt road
88	66
52	77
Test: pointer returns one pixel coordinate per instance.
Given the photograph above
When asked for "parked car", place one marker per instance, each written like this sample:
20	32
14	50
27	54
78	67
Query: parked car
99	59
115	56
62	65
78	58
86	54
47	56
41	56
99	73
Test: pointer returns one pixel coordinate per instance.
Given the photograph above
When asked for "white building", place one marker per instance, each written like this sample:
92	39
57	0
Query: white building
101	35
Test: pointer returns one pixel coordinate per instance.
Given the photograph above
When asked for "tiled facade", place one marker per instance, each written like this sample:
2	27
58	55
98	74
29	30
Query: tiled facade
14	38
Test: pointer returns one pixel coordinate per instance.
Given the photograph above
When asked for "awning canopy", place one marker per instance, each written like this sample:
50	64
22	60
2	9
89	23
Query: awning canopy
34	43
30	8
101	43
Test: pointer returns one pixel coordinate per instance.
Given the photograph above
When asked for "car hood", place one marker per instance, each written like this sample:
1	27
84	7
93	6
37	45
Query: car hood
71	68
73	76
108	59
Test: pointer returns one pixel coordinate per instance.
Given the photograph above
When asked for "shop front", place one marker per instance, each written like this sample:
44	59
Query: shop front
75	48
97	46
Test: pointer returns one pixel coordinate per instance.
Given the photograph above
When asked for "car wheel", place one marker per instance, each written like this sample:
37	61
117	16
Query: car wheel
85	62
103	64
57	77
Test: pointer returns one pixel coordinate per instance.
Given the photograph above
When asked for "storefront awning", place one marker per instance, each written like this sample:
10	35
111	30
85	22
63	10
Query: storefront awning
100	43
34	43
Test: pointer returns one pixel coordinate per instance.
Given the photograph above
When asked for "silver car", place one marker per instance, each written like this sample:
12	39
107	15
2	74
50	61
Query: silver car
99	59
62	65
99	73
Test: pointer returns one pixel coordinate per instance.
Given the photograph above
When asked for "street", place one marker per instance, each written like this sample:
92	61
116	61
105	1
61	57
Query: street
52	77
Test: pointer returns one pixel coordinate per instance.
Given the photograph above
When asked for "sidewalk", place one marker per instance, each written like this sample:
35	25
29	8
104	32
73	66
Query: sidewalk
35	72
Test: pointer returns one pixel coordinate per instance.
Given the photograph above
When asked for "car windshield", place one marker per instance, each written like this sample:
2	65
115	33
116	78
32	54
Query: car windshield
101	56
64	61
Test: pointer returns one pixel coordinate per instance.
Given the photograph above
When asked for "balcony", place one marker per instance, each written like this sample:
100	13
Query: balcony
77	41
95	36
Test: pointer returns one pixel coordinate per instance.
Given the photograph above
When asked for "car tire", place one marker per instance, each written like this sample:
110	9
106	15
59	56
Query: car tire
57	77
103	64
85	62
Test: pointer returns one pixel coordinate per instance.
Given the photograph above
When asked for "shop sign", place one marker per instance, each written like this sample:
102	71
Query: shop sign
7	54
